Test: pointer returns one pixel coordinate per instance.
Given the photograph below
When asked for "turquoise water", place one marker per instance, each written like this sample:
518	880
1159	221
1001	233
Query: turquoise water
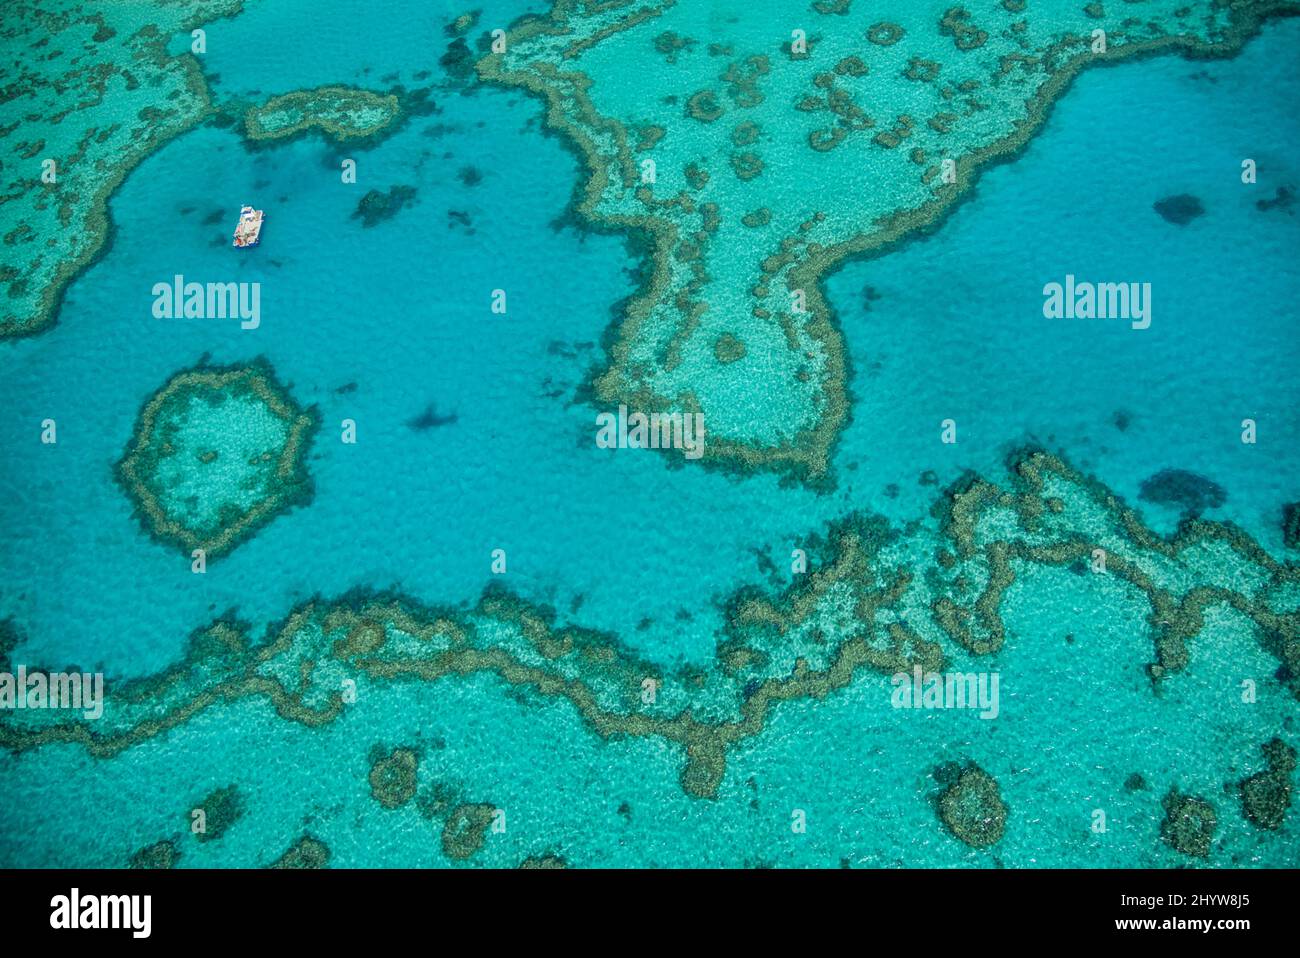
401	310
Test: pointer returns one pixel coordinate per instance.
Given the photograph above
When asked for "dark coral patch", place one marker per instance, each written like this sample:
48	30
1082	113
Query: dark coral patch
885	34
921	69
306	852
221	810
956	24
1291	525
1189	823
377	206
971	805
392	776
466	828
8	642
851	67
704	106
1266	795
163	854
1283	199
548	860
728	349
1180	209
670	45
1189	491
746	165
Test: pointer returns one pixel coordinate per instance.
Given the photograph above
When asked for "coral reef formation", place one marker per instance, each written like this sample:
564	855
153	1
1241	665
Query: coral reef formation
865	603
217	453
90	92
971	805
392	776
804	138
1266	795
1189	823
341	113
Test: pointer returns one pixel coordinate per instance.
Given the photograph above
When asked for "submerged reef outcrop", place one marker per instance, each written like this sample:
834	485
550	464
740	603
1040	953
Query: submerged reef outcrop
392	776
466	829
1189	823
220	811
971	805
306	852
1291	525
1266	795
870	105
163	854
1189	491
217	452
547	861
8	642
1180	209
379	205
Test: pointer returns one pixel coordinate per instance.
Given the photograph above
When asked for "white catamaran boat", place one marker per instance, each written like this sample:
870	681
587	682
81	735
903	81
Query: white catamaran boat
249	228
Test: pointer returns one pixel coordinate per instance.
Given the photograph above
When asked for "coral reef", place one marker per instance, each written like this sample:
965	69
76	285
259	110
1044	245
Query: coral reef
1266	795
221	810
1189	823
163	854
865	603
217	452
1180	209
392	776
1177	487
544	861
466	829
1291	525
306	852
377	206
980	106
341	113
971	805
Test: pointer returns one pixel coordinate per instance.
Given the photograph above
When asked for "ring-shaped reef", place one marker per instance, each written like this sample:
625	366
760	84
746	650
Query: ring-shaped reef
217	452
